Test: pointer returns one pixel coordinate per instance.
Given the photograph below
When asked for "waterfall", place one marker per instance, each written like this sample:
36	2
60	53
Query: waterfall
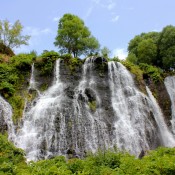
170	86
6	115
134	127
32	83
81	116
167	137
38	136
89	129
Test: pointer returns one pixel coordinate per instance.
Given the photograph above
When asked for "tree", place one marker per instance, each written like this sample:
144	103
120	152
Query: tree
10	35
74	37
105	51
147	51
166	47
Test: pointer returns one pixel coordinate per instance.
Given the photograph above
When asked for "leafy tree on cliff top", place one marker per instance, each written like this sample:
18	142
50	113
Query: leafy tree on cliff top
74	37
10	35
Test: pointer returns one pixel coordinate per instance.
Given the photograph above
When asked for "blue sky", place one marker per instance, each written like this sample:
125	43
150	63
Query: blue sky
113	22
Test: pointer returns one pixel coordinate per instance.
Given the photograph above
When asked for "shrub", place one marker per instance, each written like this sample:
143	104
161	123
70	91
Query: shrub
45	62
155	73
22	62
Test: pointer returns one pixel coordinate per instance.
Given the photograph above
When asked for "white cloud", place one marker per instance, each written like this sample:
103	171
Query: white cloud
121	53
111	5
56	19
89	11
96	1
33	31
115	19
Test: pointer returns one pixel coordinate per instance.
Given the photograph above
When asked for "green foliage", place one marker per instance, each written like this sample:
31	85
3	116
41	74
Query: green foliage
8	79
12	159
74	37
71	62
105	52
17	102
6	50
10	35
132	58
6	89
134	69
147	51
154	73
154	48
13	79
114	59
108	162
45	62
22	62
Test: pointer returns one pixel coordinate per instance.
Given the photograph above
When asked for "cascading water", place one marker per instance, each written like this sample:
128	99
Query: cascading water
6	114
38	136
170	86
132	111
89	129
167	137
132	125
89	117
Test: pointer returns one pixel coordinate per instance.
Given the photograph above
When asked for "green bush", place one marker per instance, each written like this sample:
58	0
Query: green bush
11	159
157	162
155	73
22	61
45	62
17	102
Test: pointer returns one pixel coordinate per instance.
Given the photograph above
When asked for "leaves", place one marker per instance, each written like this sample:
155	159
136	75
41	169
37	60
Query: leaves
10	35
74	37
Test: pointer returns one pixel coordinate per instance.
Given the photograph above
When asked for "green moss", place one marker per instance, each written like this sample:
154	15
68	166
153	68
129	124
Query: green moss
17	102
43	87
92	105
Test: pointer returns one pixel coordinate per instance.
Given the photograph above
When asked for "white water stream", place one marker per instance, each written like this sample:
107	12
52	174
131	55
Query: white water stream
38	130
170	86
50	129
167	137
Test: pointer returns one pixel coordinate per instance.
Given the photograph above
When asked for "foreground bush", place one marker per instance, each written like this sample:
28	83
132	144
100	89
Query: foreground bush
157	162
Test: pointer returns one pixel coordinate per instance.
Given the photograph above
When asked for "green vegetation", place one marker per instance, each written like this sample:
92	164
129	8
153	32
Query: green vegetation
157	162
73	37
12	159
105	52
13	81
154	48
71	63
10	35
155	73
45	62
134	69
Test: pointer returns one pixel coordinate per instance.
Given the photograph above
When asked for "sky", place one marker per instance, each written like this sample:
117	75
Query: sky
113	22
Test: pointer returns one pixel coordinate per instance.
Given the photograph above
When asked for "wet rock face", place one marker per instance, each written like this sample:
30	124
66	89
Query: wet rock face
3	124
77	112
161	94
